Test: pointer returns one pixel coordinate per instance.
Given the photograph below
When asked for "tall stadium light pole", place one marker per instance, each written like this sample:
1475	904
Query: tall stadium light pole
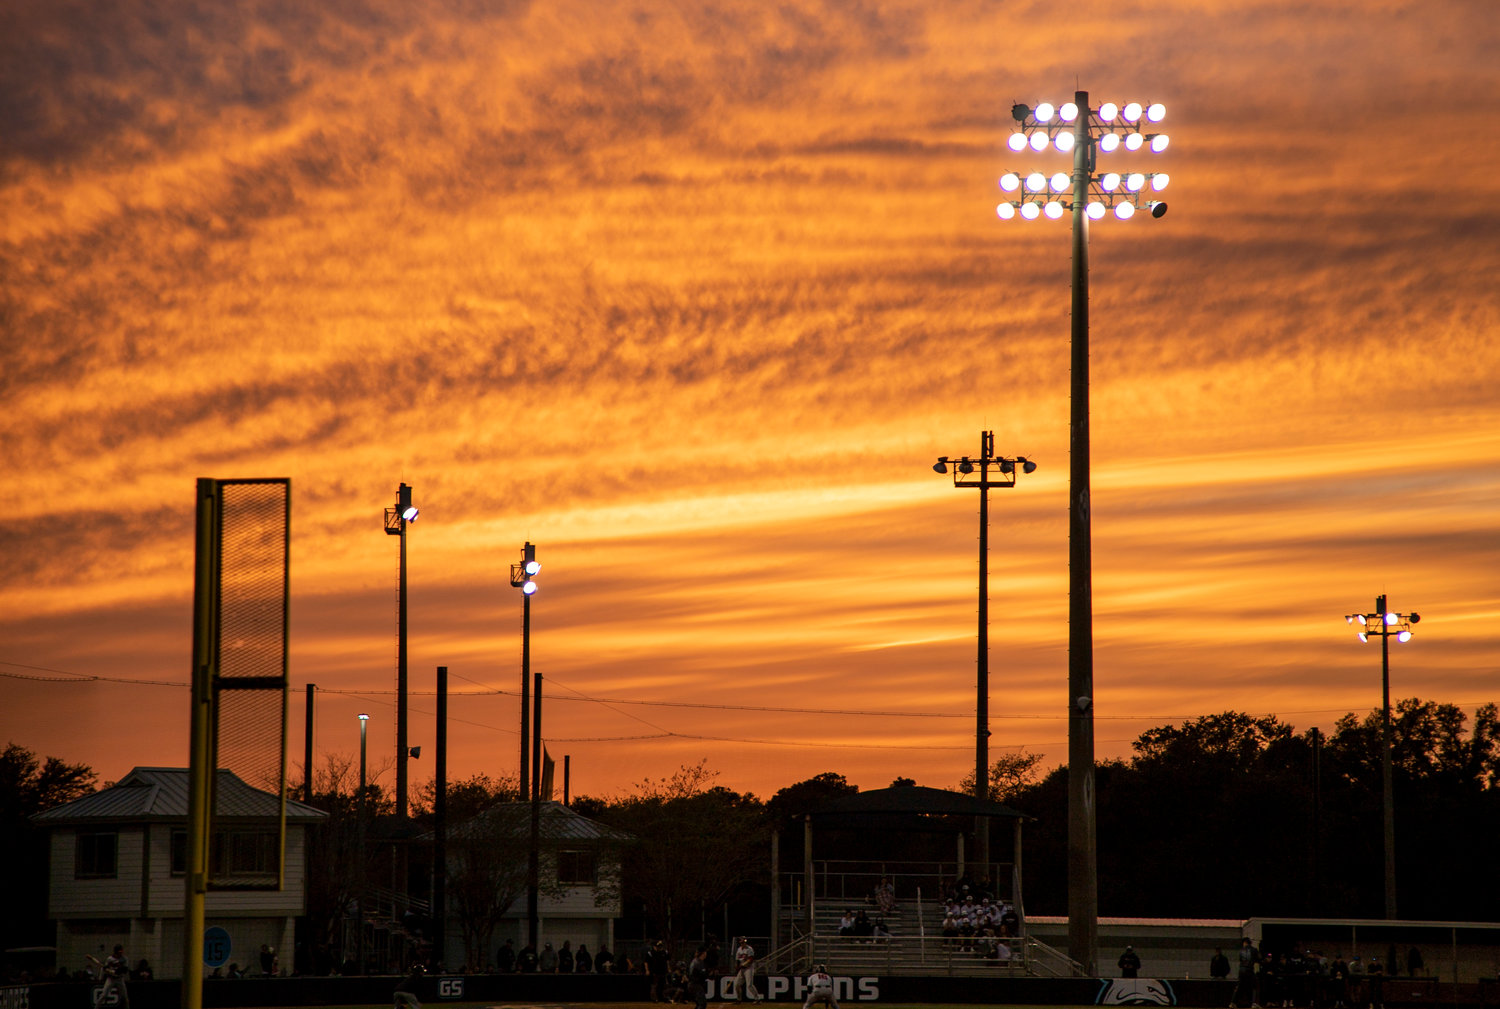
1386	625
396	521
1075	128
523	576
963	476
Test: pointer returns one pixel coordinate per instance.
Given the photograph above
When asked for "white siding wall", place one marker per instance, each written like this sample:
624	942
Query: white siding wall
167	892
96	898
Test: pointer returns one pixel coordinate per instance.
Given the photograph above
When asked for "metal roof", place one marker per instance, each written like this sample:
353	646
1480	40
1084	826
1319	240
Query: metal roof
917	799
161	793
558	823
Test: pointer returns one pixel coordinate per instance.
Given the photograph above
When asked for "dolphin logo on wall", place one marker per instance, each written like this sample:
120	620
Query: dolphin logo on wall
1135	991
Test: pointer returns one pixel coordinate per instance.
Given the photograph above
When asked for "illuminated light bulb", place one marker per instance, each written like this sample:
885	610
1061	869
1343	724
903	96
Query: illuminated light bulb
1005	211
1157	112
1068	112
1030	211
1134	181
1132	112
1109	142
1063	142
1095	210
1125	211
1159	143
1036	182
1054	210
1404	636
1133	141
1108	111
1038	141
1043	112
1363	637
1159	181
1016	142
1110	182
533	567
1060	182
529	588
1391	619
1010	182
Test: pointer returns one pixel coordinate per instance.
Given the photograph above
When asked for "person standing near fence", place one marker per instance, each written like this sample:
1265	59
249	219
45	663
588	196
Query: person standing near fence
744	972
114	970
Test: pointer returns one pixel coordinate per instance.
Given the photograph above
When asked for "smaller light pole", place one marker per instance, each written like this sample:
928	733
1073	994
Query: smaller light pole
1386	625
963	476
396	521
523	577
359	900
364	723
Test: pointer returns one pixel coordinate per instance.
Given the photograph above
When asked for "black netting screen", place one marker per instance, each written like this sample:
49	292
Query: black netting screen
247	831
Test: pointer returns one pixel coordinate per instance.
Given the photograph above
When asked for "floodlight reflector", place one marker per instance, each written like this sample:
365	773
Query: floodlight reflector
1054	209
1043	112
1030	211
1132	112
1068	112
1125	211
1133	141
1095	210
1391	619
1404	636
1016	142
1063	142
410	513
1108	111
1109	142
1036	182
1363	637
1134	181
1005	211
1159	143
1156	112
1110	182
1060	182
533	567
529	588
1010	182
1038	141
1159	181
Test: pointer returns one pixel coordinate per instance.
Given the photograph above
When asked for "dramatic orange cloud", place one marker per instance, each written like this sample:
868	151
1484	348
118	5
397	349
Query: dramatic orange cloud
692	296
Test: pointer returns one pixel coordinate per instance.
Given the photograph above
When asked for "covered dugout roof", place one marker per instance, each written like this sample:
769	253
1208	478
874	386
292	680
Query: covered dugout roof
161	794
913	799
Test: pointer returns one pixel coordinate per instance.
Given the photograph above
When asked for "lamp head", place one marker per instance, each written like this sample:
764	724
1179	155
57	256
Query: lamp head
404	507
1019	112
363	717
1415	618
965	466
941	466
1027	466
1159	209
529	587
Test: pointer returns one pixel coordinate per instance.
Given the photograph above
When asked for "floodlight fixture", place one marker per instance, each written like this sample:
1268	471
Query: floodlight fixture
363	717
1073	128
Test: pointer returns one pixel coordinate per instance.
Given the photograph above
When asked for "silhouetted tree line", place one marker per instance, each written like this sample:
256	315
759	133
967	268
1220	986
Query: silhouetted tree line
1231	815
1225	816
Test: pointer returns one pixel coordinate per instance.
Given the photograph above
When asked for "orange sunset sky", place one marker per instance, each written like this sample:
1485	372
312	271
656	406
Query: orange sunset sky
691	295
